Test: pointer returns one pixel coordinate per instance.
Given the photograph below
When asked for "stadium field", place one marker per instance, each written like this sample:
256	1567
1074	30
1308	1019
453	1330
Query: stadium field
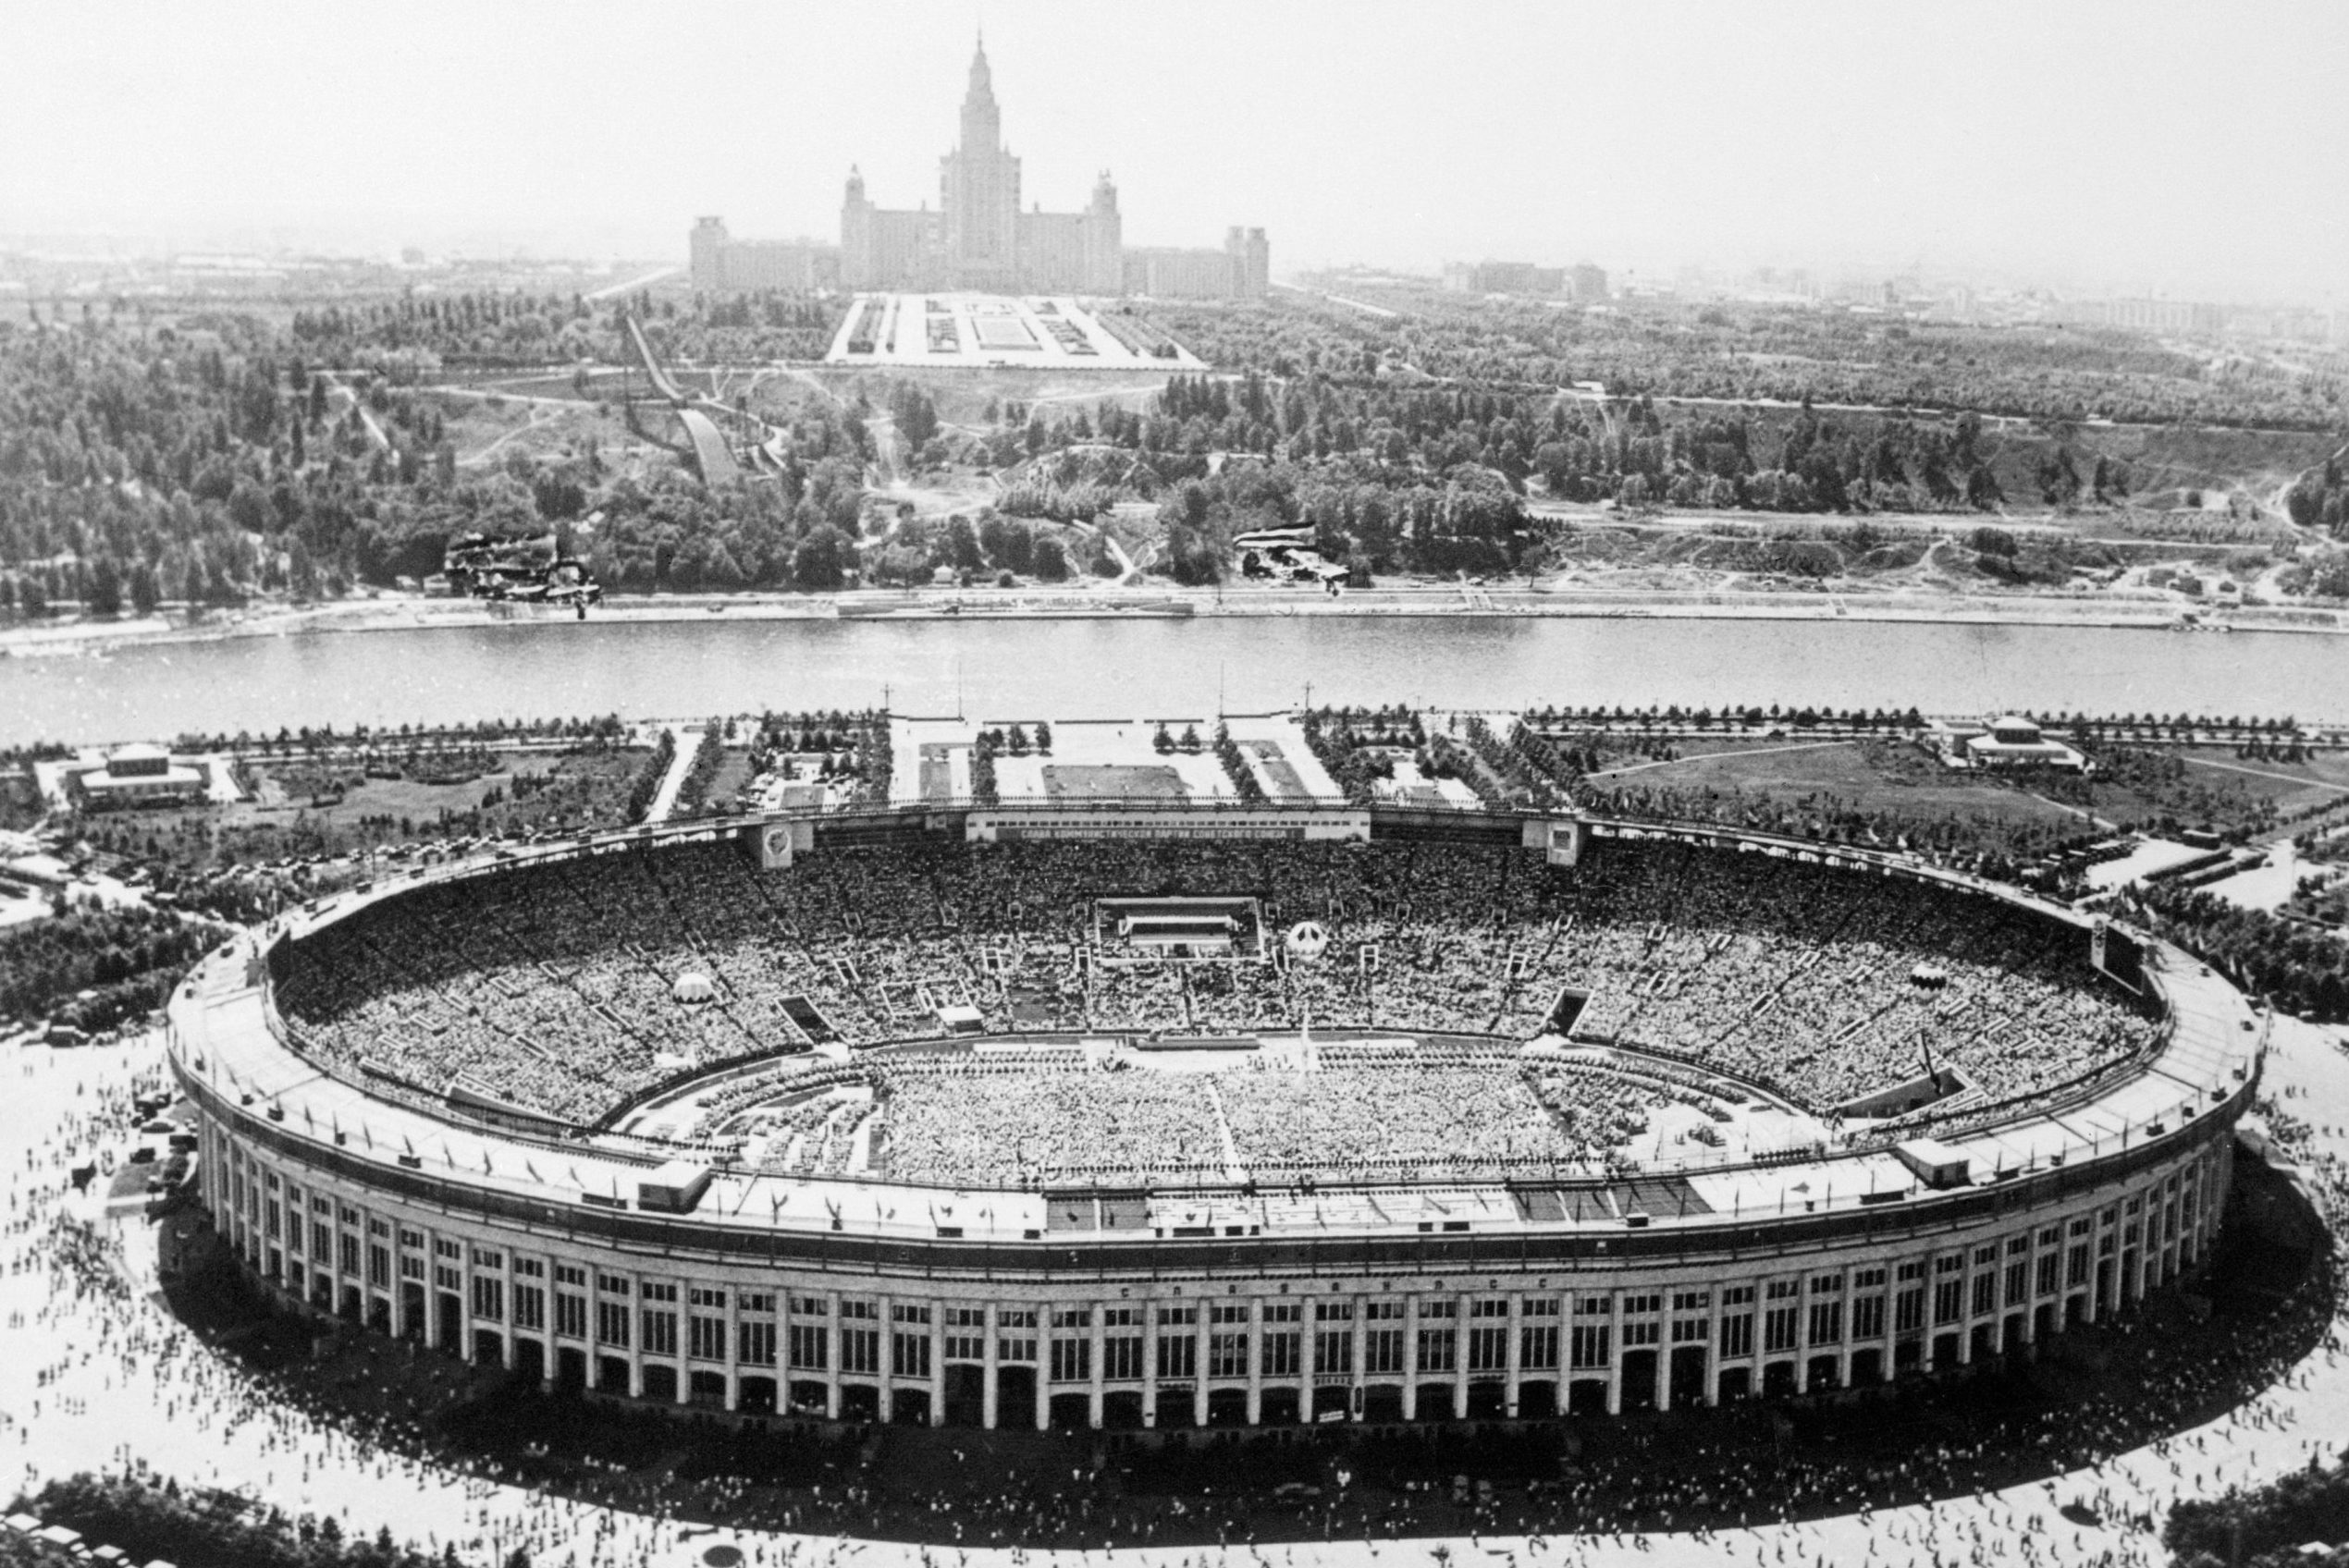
1110	781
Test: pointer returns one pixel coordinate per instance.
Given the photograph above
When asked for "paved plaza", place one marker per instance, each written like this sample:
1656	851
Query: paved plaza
982	331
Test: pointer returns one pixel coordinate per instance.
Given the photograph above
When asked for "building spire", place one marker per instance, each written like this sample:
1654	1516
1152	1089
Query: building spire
982	122
982	79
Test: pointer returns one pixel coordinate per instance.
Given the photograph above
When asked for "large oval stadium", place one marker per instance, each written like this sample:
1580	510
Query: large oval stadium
1128	1115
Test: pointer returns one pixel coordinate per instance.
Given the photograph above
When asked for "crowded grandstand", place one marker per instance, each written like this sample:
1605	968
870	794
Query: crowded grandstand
1010	1014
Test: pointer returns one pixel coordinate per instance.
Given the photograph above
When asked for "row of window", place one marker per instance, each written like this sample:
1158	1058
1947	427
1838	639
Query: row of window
1815	1310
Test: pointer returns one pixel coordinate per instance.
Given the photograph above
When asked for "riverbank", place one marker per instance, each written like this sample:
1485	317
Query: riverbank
82	637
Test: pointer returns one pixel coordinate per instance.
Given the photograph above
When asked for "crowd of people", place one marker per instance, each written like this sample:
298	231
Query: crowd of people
1004	1129
572	986
1029	1115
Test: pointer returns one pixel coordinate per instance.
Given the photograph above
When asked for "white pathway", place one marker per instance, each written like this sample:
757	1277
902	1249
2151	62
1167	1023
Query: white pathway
92	1384
689	737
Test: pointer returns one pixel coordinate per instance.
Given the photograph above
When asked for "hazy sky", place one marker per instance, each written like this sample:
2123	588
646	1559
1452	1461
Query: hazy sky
2188	149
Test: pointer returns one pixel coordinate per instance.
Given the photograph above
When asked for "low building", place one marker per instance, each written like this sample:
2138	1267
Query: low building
138	775
723	265
2004	741
1583	284
1233	273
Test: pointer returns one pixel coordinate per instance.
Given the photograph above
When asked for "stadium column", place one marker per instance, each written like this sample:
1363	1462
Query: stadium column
938	1311
1511	1351
396	1247
1043	1365
732	1349
464	1299
1354	1395
2098	1270
1305	1362
1888	1292
506	1303
1412	1357
1149	1364
1200	1361
1664	1354
636	1335
2218	1180
1845	1326
1713	1343
1254	1328
1462	1304
1095	1331
2169	1236
836	1339
1966	1306
885	1359
990	1356
1615	1353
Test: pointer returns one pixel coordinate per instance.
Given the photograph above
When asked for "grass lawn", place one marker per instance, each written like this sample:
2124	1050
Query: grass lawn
295	812
1866	775
733	773
1113	781
2321	780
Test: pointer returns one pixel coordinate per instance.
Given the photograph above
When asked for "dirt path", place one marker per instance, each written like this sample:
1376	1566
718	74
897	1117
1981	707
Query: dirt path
1699	756
2263	773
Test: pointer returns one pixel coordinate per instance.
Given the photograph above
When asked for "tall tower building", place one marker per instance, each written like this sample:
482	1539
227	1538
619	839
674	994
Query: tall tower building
977	238
708	251
978	190
1251	263
1104	240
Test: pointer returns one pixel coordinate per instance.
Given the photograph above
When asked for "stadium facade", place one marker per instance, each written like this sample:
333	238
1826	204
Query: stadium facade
590	1257
978	237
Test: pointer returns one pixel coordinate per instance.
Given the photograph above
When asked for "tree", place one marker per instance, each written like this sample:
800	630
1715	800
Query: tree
105	593
1050	561
822	559
145	592
915	415
301	572
962	545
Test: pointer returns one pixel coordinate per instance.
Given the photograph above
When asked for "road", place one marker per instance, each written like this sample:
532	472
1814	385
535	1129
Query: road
342	399
613	291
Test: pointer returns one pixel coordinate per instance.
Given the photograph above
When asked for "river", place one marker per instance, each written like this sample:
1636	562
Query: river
1147	667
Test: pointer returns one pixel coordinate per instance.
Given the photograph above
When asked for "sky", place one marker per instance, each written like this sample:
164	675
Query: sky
2193	150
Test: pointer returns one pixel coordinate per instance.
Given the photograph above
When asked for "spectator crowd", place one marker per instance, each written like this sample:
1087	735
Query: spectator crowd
577	986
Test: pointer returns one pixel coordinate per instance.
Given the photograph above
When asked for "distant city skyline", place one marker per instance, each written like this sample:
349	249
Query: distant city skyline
2166	149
